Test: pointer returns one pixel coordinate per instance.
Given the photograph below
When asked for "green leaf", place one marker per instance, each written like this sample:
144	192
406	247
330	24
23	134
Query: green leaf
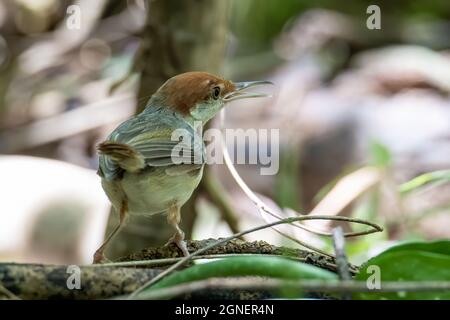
438	246
435	178
412	261
246	266
381	156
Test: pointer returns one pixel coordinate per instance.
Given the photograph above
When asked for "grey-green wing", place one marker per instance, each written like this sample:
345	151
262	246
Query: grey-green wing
154	138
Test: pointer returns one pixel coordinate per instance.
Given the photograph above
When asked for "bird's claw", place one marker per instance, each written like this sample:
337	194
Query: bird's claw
180	243
99	258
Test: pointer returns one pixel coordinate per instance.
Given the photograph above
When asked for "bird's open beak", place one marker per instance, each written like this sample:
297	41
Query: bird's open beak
241	93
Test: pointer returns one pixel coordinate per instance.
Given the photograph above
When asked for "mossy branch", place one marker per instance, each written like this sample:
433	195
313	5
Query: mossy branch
36	281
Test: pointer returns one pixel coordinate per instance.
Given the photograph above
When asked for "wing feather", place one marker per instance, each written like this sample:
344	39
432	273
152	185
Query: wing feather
149	137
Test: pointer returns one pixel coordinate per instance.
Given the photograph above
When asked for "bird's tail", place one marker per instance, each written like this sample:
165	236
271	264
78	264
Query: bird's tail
124	155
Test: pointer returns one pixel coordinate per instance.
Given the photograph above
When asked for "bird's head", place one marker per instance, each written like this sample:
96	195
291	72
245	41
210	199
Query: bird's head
200	95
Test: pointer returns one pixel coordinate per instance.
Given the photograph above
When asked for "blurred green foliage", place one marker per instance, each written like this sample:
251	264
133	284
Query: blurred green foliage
426	179
380	155
256	23
287	184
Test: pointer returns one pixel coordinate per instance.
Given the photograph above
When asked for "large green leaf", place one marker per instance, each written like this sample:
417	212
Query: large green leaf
274	267
438	246
412	261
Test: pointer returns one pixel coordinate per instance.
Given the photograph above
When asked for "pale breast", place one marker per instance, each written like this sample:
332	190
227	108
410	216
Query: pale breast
153	190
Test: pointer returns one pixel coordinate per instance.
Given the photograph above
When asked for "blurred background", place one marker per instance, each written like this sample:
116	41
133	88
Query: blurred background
363	114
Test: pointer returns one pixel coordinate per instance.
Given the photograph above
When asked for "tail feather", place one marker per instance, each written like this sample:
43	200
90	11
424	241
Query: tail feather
124	155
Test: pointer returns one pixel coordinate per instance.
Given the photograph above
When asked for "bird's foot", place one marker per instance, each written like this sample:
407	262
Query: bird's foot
180	243
183	247
99	257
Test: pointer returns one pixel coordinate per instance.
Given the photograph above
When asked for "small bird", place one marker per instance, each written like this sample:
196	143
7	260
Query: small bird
145	169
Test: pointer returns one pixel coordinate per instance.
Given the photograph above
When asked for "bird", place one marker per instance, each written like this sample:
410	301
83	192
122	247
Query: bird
152	163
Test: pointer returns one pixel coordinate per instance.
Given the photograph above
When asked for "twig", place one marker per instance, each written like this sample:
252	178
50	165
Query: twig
159	262
341	258
347	189
262	207
212	245
235	246
300	285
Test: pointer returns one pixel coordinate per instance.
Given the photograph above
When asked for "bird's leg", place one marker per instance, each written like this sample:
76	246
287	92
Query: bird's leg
174	219
99	255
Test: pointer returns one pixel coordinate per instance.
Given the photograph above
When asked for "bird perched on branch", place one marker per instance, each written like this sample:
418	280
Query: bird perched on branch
153	162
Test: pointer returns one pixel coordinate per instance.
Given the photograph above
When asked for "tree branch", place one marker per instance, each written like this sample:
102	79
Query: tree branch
235	246
34	281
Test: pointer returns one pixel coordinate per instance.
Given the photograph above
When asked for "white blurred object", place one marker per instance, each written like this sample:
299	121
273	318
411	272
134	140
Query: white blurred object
406	64
51	211
346	190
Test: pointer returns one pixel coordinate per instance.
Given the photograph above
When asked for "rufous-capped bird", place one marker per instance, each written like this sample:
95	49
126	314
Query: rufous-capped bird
141	168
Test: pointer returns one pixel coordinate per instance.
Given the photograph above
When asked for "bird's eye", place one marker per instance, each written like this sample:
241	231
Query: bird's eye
216	93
